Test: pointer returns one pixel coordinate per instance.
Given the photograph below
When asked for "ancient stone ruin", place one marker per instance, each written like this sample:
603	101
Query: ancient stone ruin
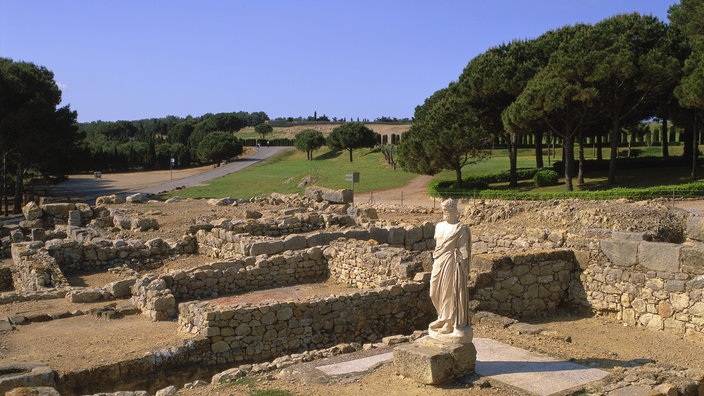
528	260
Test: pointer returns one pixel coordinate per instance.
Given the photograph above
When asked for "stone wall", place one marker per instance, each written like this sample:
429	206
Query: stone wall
97	253
369	265
656	285
222	243
156	295
245	333
6	283
35	269
521	284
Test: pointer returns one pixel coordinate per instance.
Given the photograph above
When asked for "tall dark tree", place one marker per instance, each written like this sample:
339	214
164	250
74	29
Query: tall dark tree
446	134
309	140
632	66
30	117
263	130
687	17
350	136
218	146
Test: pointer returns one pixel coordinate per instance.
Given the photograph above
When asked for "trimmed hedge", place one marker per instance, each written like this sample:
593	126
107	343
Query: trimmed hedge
689	190
546	177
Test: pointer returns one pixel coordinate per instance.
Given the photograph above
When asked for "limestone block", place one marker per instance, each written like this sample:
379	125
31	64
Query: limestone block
25	374
74	218
320	194
109	199
121	288
272	247
168	391
629	236
397	235
85	295
137	198
59	210
227	201
659	256
620	253
227	376
295	242
33	391
144	224
122	222
432	362
695	228
692	260
32	211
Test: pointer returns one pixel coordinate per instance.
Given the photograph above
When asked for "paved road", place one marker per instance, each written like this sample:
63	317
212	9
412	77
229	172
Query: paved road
88	189
262	153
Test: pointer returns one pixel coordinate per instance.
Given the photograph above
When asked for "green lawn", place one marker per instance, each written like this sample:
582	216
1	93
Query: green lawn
284	172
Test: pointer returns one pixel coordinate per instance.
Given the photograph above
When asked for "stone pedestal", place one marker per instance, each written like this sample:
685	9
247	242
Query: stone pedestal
432	362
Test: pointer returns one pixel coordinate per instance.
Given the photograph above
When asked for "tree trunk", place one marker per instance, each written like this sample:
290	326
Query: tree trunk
458	177
615	137
580	174
350	154
695	148
513	160
19	190
539	150
663	139
631	137
568	156
599	148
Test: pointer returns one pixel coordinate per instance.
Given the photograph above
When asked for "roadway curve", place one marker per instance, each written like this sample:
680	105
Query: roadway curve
87	188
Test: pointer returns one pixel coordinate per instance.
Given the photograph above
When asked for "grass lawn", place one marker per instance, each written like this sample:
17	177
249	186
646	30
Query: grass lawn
284	172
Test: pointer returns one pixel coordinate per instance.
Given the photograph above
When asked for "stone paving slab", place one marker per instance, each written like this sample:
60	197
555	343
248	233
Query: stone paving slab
537	374
357	365
541	375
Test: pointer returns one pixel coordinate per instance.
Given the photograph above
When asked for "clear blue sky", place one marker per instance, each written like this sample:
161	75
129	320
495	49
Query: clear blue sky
134	59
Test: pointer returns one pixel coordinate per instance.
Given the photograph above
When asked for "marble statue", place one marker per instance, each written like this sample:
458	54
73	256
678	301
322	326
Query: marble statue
448	281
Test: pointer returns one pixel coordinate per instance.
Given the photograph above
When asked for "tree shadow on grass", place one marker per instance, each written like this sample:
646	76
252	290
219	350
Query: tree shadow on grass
328	155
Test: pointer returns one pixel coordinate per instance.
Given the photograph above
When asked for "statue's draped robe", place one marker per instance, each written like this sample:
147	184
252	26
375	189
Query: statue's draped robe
448	281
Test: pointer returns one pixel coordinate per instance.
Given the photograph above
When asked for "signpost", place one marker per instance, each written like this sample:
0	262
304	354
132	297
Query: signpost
354	178
171	167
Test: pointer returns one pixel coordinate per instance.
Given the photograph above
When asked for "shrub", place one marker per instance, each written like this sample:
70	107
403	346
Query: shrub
545	177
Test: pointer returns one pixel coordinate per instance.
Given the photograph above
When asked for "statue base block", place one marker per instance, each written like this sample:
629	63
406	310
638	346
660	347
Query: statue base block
433	362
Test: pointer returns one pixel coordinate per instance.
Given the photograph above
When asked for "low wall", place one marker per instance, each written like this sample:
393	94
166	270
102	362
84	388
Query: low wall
147	372
369	265
84	256
156	295
245	333
291	222
35	269
656	285
221	243
522	284
6	283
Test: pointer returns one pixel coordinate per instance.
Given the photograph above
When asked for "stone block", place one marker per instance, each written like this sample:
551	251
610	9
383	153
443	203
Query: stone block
432	362
397	235
621	253
137	198
269	248
32	211
692	260
74	218
121	288
629	236
59	210
659	256
25	374
320	194
109	199
695	228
